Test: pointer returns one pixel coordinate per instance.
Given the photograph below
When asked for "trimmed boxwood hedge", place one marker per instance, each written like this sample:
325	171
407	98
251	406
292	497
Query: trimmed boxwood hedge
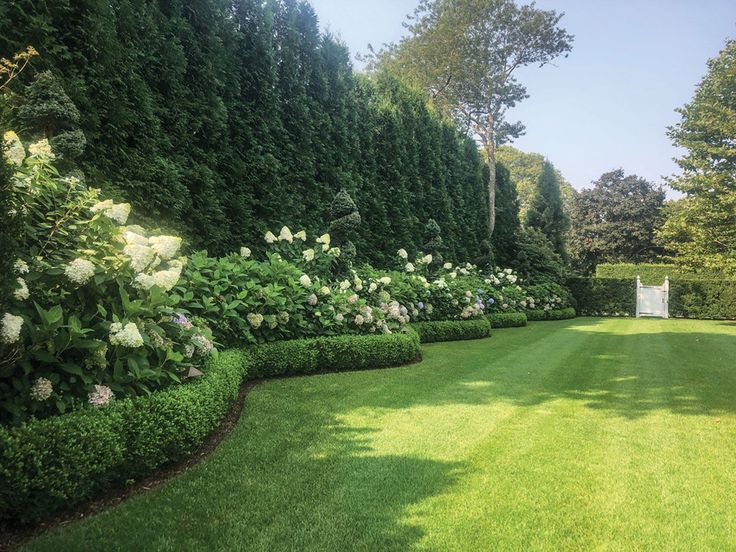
332	354
452	330
604	296
55	463
538	315
703	299
507	319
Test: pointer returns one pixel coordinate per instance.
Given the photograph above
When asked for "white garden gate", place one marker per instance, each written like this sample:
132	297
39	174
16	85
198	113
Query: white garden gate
653	300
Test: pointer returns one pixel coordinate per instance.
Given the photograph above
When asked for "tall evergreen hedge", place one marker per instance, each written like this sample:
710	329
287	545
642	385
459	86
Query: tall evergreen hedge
222	119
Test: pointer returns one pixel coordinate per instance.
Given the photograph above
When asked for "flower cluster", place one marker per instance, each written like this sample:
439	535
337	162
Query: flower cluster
125	336
100	396
79	271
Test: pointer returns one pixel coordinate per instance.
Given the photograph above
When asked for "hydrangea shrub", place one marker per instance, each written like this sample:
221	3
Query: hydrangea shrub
90	319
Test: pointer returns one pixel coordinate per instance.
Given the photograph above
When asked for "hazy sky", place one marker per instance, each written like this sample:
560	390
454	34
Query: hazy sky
609	103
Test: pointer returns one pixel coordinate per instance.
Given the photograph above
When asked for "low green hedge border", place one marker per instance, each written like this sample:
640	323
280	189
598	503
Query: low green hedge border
452	330
556	314
334	354
55	463
507	319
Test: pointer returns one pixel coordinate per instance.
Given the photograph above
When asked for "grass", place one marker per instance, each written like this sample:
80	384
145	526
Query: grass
615	434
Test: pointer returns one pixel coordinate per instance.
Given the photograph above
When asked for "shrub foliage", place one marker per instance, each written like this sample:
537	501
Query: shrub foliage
452	330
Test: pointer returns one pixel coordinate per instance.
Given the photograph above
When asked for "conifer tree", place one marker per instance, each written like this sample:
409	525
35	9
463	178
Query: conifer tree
546	212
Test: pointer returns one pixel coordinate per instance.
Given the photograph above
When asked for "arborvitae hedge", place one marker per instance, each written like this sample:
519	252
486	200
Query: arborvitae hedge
224	119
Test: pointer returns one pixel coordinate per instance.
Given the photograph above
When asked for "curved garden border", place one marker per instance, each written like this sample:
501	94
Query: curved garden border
56	463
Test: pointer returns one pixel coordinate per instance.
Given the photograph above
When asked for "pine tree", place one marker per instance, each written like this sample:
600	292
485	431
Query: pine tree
546	212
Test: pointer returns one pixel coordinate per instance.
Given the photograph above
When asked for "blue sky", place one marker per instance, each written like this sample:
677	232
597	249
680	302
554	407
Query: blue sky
609	103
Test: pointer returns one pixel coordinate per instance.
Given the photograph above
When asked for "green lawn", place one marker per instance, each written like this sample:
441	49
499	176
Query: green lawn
583	434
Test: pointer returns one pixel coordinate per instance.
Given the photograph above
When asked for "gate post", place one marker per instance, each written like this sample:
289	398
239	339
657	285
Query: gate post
666	298
638	295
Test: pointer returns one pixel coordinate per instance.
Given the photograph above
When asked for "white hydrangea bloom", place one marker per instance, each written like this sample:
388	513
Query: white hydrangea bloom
10	329
102	206
125	336
373	287
165	247
344	285
339	317
79	271
270	238
312	299
402	253
134	238
335	252
21	293
165	279
305	280
409	267
427	259
20	267
359	320
324	290
453	274
386	280
308	255
285	235
447	266
42	148
42	389
353	299
245	252
119	213
324	239
100	396
301	235
14	151
140	256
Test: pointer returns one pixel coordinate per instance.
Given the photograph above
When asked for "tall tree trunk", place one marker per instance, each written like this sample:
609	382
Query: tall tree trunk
490	150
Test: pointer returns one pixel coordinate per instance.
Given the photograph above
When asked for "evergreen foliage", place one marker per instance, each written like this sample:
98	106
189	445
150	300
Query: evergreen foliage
546	212
433	245
506	234
345	222
219	120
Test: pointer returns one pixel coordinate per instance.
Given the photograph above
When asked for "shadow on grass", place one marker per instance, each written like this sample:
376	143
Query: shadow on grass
289	477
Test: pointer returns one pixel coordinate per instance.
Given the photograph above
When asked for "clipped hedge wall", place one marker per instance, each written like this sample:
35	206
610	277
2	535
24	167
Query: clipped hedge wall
651	274
538	315
604	296
452	330
332	354
49	464
703	299
507	319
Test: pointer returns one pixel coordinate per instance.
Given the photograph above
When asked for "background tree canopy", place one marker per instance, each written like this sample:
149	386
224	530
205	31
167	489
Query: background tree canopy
701	228
615	221
525	170
223	119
